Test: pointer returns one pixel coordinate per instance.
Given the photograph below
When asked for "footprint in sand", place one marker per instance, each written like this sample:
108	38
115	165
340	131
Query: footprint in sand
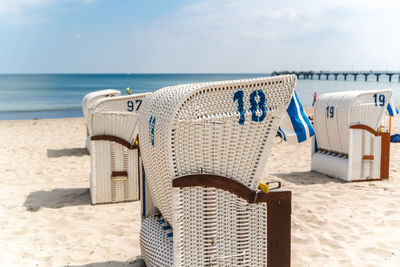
391	212
33	208
393	223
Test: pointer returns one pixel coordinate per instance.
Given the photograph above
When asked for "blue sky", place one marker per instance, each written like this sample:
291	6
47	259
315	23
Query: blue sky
119	36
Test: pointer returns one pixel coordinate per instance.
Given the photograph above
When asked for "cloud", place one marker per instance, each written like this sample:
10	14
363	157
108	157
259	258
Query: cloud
17	7
226	36
258	35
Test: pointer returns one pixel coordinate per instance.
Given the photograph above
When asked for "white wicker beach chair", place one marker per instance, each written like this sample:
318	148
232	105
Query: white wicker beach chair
204	148
115	162
352	140
87	101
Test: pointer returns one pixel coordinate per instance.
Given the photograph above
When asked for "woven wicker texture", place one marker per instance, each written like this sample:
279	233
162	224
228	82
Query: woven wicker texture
88	100
156	242
228	232
213	227
223	128
114	167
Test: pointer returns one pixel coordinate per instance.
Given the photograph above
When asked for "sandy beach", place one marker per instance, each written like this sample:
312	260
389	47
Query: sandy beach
46	218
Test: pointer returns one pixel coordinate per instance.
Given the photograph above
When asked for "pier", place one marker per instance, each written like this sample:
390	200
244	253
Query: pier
347	75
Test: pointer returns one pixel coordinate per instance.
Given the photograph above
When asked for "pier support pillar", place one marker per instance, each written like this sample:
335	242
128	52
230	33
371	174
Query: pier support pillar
310	74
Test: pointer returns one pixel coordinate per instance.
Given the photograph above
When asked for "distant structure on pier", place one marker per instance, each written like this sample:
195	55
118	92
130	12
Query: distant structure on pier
309	75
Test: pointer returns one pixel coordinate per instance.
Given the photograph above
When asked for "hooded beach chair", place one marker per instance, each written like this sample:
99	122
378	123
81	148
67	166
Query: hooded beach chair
352	139
204	148
87	101
115	161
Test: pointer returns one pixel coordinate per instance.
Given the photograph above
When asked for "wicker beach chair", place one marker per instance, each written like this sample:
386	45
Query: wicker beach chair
204	148
87	101
115	162
352	139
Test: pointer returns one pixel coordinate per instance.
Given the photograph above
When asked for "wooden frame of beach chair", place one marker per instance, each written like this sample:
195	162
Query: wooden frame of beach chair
352	140
115	161
87	101
204	148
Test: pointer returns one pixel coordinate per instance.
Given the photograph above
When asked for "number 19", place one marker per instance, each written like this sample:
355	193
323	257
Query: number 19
330	111
381	99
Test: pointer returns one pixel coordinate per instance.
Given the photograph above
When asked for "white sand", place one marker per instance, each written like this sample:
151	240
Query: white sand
46	218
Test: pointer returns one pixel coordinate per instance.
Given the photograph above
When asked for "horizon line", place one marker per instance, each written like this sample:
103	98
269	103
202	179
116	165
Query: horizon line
128	73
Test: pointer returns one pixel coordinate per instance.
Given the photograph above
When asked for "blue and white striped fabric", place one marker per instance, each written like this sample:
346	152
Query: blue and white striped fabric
166	227
392	109
295	126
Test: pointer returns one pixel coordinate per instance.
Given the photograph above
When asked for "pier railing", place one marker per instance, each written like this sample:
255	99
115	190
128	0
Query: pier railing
309	75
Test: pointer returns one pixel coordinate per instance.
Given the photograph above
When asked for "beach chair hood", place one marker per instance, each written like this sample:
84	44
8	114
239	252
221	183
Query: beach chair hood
221	128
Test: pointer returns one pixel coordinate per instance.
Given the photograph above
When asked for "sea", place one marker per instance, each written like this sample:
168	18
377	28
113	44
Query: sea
38	96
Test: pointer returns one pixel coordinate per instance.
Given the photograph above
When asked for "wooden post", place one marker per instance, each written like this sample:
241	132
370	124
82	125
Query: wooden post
385	155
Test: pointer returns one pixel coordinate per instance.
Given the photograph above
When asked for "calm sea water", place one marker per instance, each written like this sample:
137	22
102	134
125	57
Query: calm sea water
29	96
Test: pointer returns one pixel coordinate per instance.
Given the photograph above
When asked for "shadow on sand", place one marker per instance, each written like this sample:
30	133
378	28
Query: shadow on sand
307	178
57	198
67	152
135	263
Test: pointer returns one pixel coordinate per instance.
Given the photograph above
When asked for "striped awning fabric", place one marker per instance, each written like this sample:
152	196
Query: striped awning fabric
295	126
392	109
